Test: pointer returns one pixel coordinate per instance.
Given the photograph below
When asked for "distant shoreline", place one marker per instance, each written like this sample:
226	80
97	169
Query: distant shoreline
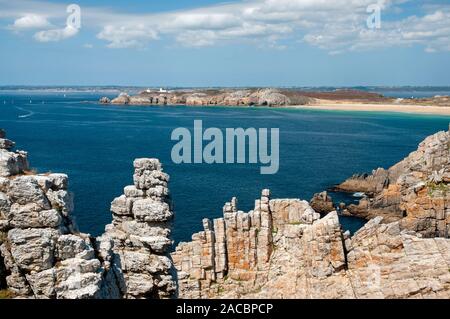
336	100
339	100
368	107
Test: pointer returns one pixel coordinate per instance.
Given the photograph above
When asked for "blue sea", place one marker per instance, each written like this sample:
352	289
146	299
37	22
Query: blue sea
96	144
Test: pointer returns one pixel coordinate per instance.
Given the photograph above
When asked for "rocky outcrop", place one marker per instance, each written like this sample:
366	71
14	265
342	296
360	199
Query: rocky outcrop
11	163
42	253
282	249
136	243
105	100
123	98
250	97
237	246
322	203
415	191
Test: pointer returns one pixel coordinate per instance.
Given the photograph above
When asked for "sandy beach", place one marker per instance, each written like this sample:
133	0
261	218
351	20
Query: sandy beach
367	107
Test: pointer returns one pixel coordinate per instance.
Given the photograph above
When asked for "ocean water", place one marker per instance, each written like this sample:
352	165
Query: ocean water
96	144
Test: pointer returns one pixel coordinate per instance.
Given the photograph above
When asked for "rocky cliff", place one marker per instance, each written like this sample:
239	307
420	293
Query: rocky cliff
415	191
250	97
280	249
43	255
137	241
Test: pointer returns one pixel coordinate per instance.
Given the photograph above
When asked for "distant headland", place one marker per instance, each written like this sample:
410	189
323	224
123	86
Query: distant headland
335	99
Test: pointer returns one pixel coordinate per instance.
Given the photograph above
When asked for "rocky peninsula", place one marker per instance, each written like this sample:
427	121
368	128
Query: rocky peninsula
283	248
415	191
340	99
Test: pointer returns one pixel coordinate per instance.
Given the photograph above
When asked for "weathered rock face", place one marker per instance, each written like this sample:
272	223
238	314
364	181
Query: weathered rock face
105	100
234	253
302	256
415	191
262	97
11	163
281	249
42	253
136	244
123	98
322	203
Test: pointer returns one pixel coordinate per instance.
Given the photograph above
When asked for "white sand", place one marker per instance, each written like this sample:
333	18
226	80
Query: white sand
420	109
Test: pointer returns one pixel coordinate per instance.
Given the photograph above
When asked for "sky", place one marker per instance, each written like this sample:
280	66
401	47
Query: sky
216	43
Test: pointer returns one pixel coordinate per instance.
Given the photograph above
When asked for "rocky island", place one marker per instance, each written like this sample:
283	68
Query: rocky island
283	248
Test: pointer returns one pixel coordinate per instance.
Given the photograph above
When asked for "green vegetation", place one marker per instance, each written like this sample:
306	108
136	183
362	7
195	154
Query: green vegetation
5	294
437	188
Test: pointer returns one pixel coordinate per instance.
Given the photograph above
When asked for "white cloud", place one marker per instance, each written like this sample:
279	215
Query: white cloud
55	34
30	21
132	36
335	26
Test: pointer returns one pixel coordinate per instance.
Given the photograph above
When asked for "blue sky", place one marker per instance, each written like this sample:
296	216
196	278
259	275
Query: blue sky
216	43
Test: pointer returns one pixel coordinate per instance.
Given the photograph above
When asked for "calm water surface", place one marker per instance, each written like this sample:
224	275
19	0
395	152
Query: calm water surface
95	145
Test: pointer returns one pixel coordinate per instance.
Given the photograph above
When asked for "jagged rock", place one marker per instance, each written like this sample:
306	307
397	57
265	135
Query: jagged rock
266	97
12	163
322	203
149	210
33	249
312	259
25	189
71	246
6	144
140	234
280	249
41	253
62	200
105	100
415	191
26	216
78	279
123	98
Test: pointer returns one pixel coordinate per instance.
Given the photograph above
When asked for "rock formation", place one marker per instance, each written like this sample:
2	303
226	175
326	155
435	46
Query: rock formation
322	203
282	249
139	235
42	253
105	100
261	97
123	98
415	191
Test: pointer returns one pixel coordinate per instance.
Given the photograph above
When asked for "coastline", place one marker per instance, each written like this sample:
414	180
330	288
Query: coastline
343	107
337	100
363	107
